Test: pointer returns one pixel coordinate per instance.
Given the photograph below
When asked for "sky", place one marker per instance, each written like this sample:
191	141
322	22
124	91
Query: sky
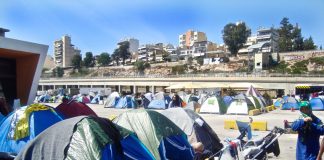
97	25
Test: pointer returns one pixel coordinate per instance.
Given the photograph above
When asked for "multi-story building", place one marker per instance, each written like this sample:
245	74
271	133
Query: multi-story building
133	44
266	43
199	49
249	42
187	39
151	52
64	51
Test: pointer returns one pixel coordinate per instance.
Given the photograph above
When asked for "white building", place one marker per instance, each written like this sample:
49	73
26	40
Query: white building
64	51
190	37
151	52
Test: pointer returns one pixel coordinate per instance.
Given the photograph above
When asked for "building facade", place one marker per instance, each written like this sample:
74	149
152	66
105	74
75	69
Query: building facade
190	37
64	51
151	52
133	44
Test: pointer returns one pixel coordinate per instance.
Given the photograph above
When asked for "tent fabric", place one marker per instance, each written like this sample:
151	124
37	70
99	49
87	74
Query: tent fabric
126	102
194	106
213	105
1	117
111	100
253	92
227	100
240	106
84	99
100	138
190	123
278	103
96	99
289	103
74	108
157	104
38	122
316	104
151	128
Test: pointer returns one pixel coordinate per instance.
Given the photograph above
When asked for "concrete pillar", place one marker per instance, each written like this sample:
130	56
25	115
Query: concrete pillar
134	89
119	88
153	89
42	87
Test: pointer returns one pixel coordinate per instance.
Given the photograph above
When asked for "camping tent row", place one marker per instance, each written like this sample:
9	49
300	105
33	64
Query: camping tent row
240	104
151	135
288	103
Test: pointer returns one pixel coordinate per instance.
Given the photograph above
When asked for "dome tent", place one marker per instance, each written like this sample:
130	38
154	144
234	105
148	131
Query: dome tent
196	129
240	105
160	101
100	137
161	136
74	109
111	101
23	125
213	105
317	104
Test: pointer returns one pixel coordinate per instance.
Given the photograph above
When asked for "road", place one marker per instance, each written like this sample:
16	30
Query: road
274	118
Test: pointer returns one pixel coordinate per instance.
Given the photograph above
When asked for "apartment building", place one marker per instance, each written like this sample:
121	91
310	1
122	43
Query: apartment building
190	37
64	51
151	52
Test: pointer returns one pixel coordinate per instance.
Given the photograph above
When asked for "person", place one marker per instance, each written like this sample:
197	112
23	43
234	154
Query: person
200	151
176	101
309	129
4	110
321	151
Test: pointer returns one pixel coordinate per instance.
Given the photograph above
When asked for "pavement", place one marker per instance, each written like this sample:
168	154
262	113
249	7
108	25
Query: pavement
274	118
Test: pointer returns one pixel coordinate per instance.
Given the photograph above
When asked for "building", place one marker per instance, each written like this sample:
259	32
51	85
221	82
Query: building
133	44
64	51
199	49
187	39
249	42
21	64
266	44
151	52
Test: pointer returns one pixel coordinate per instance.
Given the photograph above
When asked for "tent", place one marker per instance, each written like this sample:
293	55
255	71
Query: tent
240	105
257	102
73	109
1	117
96	99
253	92
111	100
194	106
161	136
289	103
85	138
213	105
84	99
160	101
316	104
227	100
196	129
278	103
126	102
44	98
23	125
147	98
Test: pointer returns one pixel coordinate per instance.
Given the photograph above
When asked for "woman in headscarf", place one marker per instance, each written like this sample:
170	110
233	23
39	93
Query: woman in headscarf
309	129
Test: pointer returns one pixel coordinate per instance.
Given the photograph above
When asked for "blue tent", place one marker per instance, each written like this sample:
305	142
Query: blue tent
290	103
316	104
157	104
279	102
227	100
44	98
96	99
39	120
126	102
1	117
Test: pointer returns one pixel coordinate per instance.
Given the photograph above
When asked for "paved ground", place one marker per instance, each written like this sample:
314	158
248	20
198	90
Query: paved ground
274	118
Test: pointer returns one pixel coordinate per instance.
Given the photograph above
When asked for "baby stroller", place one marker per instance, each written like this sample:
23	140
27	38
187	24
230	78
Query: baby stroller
238	148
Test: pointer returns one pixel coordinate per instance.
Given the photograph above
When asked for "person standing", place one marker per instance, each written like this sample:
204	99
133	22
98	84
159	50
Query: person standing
309	129
176	101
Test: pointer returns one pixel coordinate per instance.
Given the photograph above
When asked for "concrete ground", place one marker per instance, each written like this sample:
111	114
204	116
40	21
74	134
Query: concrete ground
287	142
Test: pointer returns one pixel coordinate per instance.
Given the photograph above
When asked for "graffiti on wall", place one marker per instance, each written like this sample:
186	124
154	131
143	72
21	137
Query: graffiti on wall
293	57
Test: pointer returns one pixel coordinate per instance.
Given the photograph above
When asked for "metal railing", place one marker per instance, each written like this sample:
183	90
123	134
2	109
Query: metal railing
225	74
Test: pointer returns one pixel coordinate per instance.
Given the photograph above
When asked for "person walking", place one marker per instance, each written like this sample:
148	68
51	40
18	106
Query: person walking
309	129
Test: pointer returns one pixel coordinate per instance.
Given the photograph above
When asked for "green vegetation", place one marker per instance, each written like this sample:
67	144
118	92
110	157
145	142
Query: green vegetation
179	69
89	60
235	36
122	51
140	66
58	72
282	67
77	61
81	72
309	44
299	67
104	59
200	60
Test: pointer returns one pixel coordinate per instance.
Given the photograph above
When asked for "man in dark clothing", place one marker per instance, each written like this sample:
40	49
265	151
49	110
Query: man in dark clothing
309	129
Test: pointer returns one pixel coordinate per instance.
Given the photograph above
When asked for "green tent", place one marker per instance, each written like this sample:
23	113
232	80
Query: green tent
159	134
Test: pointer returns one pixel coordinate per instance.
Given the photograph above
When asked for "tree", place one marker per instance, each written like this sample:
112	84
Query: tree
141	66
77	61
235	35
88	60
115	56
166	56
58	72
298	40
285	35
123	51
309	44
104	59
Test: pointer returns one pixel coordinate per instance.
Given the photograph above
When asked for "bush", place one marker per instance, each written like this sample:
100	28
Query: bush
179	69
200	60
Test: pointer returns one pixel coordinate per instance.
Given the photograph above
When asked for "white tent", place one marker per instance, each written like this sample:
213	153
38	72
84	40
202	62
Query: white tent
110	102
213	105
240	105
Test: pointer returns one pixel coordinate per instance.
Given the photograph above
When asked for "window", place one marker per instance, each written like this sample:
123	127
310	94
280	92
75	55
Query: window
258	64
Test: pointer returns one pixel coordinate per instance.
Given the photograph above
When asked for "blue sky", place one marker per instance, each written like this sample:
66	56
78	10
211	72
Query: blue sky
97	25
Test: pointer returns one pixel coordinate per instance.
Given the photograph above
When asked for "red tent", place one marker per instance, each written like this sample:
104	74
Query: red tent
74	109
